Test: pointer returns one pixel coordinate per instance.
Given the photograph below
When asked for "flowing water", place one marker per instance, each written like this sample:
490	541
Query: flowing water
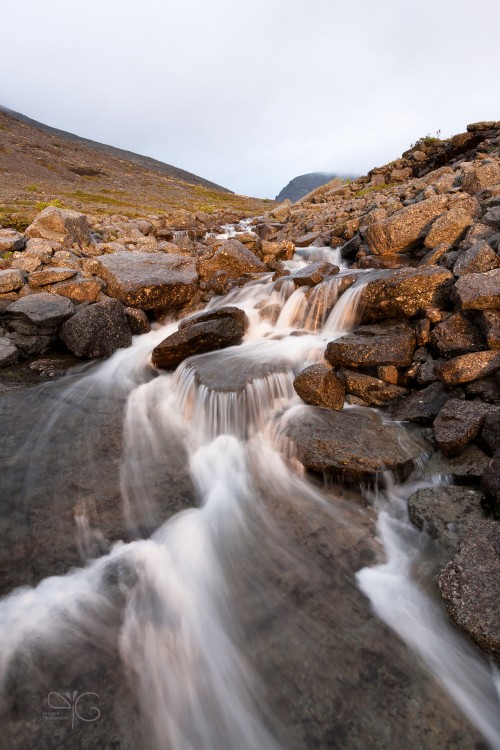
164	551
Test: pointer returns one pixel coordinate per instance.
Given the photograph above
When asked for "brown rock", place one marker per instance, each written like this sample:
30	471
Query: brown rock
317	385
10	281
405	293
468	367
233	258
449	227
26	263
479	258
78	290
60	225
10	241
457	424
489	323
405	227
456	335
138	321
51	276
314	273
387	343
446	512
372	391
479	291
480	175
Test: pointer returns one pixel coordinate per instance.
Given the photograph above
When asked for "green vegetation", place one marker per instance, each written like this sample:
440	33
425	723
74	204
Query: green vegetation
427	140
45	204
33	188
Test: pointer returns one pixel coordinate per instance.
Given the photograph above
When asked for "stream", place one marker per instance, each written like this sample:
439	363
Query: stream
174	580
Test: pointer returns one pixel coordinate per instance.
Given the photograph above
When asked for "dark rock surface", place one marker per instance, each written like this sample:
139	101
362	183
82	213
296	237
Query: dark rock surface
457	424
468	367
233	258
405	292
39	311
318	385
422	406
97	331
388	343
479	291
446	512
373	391
456	335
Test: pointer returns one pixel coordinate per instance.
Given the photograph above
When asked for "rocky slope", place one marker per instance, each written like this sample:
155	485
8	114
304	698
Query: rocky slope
306	183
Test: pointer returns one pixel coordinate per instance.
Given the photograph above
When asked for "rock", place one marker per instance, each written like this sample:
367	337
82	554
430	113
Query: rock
465	468
51	276
60	225
39	311
10	241
487	389
233	258
314	274
10	281
138	321
489	438
449	227
490	481
489	323
8	352
387	343
388	373
480	175
32	343
353	444
479	258
405	293
457	424
306	239
492	217
456	335
317	385
78	290
433	256
212	330
405	227
446	512
372	391
26	263
470	585
97	330
216	313
422	406
479	291
468	367
149	280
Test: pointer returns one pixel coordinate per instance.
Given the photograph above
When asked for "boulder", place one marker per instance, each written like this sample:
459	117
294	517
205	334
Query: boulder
26	263
446	512
307	239
149	280
480	175
354	444
470	585
372	391
78	289
8	352
138	321
405	227
490	481
489	437
457	424
11	241
60	225
422	406
387	343
232	257
314	273
479	291
489	323
51	276
449	227
492	217
215	330
11	281
35	312
456	335
466	468
479	258
468	367
317	385
97	330
30	344
405	293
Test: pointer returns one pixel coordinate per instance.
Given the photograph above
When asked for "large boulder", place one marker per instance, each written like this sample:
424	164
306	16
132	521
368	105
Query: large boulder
39	313
317	385
387	343
479	258
405	292
233	258
405	227
470	585
456	335
479	291
468	367
353	444
97	331
449	227
458	423
60	225
480	175
149	280
211	330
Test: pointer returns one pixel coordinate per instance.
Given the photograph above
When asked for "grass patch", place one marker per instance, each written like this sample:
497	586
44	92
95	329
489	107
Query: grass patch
45	204
33	188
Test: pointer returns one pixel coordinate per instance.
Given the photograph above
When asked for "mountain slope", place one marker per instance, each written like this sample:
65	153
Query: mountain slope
305	183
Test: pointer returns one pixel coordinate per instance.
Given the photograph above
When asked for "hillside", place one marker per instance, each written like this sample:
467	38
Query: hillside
39	164
305	183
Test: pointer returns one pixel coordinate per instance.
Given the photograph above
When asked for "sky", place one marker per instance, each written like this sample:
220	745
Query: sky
251	94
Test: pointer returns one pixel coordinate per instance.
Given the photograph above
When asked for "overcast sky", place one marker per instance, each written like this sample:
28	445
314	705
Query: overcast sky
251	94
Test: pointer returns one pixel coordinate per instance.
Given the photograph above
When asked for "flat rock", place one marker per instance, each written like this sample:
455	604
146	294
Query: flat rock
479	291
11	280
318	385
372	345
456	335
354	444
468	367
149	280
372	391
41	310
422	406
314	273
405	293
8	352
232	257
60	225
479	258
405	227
51	276
97	330
470	585
446	512
457	424
78	290
11	241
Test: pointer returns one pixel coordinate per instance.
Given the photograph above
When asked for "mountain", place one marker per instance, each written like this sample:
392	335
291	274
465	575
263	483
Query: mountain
305	183
40	164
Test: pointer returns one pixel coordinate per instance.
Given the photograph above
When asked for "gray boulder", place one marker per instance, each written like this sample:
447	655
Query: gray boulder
8	352
372	345
457	424
60	225
233	258
97	330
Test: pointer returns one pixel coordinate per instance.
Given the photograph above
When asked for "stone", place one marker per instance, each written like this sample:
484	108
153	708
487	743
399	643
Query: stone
8	352
60	225
306	239
10	241
212	330
314	273
492	217
468	367
479	258
489	323
457	424
372	391
456	335
470	585
318	385
422	406
446	512
233	258
353	444
10	281
405	227
32	343
449	227
468	467
490	481
480	175
26	263
41	310
489	437
388	373
97	330
149	280
387	343
434	256
78	290
479	291
138	321
50	276
405	293
487	389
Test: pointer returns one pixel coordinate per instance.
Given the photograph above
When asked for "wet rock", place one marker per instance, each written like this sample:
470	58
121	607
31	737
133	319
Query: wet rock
60	225
372	391
353	444
149	280
449	227
457	424
307	239
489	438
78	290
487	389
470	585
30	344
388	373
233	258
467	467
39	311
318	385
489	323
405	293
210	331
479	291
8	352
51	276
387	343
490	481
384	261
405	227
10	241
138	321
422	406
468	367
479	258
11	281
480	175
97	330
446	512
270	312
456	335
314	273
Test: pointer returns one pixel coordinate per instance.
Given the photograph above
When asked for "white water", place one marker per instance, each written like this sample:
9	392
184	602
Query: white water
178	639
